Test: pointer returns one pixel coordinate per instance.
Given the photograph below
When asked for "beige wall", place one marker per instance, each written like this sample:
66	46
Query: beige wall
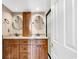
10	16
6	14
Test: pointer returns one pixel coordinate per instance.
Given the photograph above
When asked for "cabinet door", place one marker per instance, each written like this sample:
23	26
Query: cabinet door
10	49
14	51
6	49
6	52
39	49
14	48
26	23
43	52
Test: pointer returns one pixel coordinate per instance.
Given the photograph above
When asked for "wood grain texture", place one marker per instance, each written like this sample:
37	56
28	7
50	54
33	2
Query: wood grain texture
26	23
25	49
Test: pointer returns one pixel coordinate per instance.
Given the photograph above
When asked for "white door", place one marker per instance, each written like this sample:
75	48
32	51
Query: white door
63	29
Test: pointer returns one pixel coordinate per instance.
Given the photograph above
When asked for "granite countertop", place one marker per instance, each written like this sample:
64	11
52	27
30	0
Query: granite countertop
25	37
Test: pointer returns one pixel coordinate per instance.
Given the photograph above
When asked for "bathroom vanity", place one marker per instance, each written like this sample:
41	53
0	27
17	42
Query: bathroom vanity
29	40
25	48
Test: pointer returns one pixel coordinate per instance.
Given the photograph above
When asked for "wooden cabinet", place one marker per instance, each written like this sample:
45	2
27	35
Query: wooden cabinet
25	49
26	24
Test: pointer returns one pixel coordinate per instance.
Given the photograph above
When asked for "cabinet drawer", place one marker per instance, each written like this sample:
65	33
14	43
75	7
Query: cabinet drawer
23	48
24	41
13	41
39	42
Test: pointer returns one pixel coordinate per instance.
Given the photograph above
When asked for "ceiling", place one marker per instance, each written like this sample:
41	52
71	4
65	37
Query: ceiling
27	5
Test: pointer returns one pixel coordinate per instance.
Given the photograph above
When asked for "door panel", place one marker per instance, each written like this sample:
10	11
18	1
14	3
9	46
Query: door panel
70	23
64	29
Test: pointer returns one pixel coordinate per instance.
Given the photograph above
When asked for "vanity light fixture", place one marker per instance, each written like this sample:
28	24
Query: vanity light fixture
16	9
37	9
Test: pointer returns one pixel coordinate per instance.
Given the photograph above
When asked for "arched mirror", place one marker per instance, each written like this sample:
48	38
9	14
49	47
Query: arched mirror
38	25
17	23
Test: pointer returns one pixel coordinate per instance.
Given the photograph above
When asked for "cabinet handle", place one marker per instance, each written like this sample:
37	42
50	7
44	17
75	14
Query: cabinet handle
24	41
